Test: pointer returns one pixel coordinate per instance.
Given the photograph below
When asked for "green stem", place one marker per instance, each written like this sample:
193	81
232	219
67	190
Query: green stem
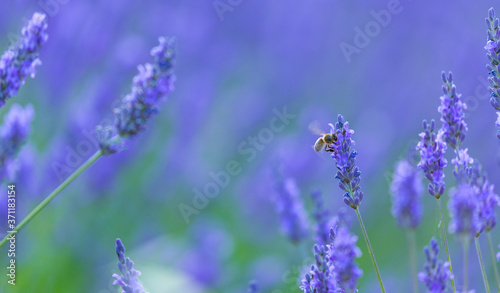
370	250
412	243
483	272
445	242
494	261
51	196
466	265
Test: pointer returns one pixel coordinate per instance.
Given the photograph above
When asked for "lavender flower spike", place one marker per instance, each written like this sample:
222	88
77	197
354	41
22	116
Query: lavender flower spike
436	273
464	212
13	135
345	157
342	255
493	50
128	278
321	278
432	162
149	87
20	59
291	211
407	190
486	197
452	113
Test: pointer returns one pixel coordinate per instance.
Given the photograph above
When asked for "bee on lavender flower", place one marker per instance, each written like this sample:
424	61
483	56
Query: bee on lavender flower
325	140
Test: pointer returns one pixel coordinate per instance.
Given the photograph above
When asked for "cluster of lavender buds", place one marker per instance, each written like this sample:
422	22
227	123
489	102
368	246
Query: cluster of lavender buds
21	58
128	279
407	190
464	212
486	197
343	253
149	87
290	208
13	135
321	217
436	273
452	113
345	157
432	149
334	269
321	277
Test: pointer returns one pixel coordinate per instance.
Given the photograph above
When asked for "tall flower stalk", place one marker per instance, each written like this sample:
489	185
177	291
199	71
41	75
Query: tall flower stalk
432	149
149	87
128	277
349	177
436	273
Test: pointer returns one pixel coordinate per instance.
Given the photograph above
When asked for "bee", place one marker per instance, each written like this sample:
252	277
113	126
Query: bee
325	140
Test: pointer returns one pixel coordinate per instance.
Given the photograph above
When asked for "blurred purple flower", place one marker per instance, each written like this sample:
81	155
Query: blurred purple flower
128	279
345	157
252	287
464	212
432	162
149	87
493	51
435	274
322	217
452	113
290	208
20	59
342	254
486	197
321	277
13	135
407	190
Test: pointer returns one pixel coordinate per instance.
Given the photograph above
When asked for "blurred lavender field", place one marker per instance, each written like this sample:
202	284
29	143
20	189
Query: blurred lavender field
237	67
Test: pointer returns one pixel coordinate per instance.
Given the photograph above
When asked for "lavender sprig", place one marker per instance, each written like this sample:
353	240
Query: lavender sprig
20	60
291	211
407	190
149	87
13	135
128	279
464	212
349	177
452	113
348	173
432	149
436	273
486	198
321	277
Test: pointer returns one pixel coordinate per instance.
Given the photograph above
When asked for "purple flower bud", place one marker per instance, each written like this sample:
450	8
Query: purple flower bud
128	279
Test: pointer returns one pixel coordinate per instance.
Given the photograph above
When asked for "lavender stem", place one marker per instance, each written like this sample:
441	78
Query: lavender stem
492	253
412	246
483	272
51	196
445	242
370	250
